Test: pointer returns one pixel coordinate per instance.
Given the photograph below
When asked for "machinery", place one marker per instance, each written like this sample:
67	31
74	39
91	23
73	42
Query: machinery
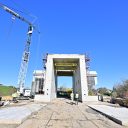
26	53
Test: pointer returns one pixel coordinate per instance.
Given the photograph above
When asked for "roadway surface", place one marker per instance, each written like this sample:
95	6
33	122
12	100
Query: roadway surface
62	114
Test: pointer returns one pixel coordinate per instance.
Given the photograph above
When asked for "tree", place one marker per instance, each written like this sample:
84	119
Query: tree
102	90
92	92
121	88
62	88
114	94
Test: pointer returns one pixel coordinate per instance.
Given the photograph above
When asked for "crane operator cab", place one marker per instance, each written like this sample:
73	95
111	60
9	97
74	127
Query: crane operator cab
30	29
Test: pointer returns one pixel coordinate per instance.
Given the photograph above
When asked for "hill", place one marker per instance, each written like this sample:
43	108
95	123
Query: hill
6	90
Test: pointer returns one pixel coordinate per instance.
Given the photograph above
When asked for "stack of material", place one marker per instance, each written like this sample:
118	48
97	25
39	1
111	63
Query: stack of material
7	98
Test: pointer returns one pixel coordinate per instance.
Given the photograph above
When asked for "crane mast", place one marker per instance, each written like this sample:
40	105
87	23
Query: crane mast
26	53
24	61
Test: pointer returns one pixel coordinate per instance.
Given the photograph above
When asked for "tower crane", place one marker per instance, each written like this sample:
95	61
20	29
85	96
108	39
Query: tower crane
26	52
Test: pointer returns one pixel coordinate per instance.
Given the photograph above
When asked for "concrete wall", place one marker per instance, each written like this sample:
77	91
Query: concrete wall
53	85
80	79
33	87
83	75
91	98
37	85
42	98
77	82
49	77
38	81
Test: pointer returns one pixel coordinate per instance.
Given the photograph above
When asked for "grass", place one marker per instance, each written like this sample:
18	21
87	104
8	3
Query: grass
7	90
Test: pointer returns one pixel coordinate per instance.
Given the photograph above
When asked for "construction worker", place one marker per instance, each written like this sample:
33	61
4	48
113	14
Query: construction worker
77	97
72	97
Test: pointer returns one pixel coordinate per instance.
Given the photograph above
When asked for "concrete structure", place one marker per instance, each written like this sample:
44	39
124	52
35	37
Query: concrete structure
91	79
63	65
38	82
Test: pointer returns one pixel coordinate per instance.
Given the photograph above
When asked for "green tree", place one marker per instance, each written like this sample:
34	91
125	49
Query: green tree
62	88
102	90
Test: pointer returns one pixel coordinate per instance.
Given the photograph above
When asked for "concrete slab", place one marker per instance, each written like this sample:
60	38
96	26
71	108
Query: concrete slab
117	114
16	115
60	114
83	124
33	123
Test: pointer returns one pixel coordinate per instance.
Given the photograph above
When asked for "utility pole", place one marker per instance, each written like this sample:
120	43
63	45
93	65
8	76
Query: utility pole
26	53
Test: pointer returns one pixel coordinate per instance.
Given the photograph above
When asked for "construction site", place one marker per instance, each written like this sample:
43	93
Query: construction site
45	104
45	81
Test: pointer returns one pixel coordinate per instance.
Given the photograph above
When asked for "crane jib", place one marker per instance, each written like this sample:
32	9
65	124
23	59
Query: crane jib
15	14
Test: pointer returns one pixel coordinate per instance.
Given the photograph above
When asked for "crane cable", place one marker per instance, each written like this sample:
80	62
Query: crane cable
23	12
11	27
26	12
37	48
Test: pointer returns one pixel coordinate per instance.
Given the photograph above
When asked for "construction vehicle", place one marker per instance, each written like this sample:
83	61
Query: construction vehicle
26	53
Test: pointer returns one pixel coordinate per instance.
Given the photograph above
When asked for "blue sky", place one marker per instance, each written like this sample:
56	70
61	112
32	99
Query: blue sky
96	27
64	81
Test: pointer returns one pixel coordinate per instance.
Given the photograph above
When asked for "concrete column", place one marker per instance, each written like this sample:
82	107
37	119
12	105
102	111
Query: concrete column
77	79
84	87
73	82
56	83
33	88
53	85
48	80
